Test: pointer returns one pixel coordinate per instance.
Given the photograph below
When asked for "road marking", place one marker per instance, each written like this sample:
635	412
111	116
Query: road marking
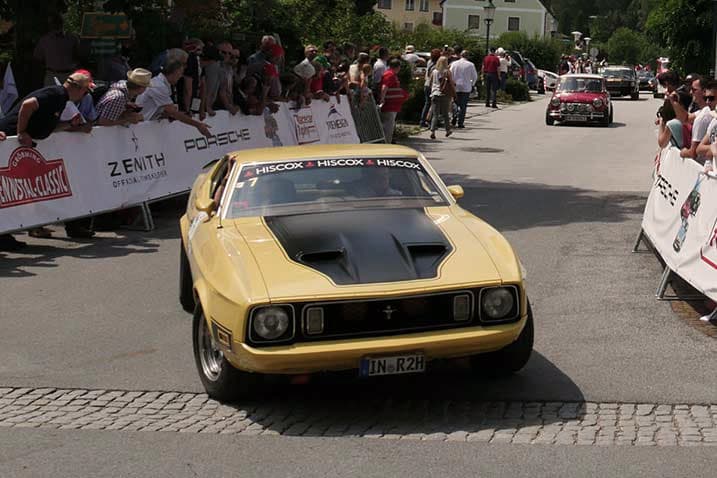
550	423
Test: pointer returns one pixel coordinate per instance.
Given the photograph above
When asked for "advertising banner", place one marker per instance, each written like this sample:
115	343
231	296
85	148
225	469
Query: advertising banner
72	175
680	220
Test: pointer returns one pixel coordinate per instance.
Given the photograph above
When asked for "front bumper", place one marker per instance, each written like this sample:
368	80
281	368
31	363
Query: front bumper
346	354
594	116
618	90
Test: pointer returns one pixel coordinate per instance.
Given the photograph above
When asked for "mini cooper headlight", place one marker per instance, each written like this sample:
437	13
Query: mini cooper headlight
555	102
270	323
497	303
597	102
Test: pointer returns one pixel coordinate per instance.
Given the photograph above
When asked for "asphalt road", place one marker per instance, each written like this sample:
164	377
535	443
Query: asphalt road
102	314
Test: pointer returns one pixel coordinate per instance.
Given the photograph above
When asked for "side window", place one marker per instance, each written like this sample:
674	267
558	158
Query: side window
220	177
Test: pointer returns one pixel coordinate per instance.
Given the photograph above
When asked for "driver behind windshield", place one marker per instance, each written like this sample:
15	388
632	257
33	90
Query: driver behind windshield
374	182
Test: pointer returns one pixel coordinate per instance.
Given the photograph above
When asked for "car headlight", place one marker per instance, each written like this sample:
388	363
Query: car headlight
555	102
270	323
597	102
497	303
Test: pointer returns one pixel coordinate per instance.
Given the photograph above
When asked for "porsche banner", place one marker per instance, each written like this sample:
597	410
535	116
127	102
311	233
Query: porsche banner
681	220
75	174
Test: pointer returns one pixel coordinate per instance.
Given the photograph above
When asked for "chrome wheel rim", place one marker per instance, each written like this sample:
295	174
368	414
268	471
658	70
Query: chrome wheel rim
209	354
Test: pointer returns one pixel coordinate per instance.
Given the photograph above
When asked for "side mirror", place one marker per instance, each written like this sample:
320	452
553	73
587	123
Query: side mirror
456	191
205	204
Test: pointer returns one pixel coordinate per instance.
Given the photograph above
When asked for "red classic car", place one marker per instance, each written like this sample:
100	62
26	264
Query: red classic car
580	98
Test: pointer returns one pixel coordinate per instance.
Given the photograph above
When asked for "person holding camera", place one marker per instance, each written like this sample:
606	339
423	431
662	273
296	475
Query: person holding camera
117	107
673	117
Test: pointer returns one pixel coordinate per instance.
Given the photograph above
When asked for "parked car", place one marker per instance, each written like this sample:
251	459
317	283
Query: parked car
622	81
307	259
580	98
531	74
547	81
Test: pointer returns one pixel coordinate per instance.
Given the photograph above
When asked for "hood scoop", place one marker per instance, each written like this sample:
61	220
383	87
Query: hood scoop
364	246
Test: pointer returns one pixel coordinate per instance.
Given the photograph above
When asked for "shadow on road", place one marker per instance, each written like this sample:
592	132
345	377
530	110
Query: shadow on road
516	206
448	399
43	253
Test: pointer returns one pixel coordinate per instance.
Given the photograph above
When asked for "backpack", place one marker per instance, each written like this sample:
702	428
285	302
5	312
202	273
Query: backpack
447	87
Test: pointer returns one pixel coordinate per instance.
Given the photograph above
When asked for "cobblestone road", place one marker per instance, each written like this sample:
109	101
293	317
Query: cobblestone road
561	423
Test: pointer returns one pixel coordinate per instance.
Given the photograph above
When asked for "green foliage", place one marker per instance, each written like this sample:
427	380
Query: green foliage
517	90
503	97
544	53
425	37
625	46
685	27
607	16
413	106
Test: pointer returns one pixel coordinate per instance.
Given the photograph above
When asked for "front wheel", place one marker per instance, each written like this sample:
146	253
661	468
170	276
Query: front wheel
509	359
549	120
221	380
635	96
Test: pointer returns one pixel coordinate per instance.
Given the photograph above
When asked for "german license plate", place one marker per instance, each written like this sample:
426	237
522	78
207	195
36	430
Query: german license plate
392	365
575	118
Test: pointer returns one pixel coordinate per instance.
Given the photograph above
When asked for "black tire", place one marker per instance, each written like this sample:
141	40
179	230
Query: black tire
635	96
186	287
509	359
548	120
226	384
609	121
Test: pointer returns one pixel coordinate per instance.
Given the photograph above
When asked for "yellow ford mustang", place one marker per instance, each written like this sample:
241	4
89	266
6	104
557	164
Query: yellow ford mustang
314	258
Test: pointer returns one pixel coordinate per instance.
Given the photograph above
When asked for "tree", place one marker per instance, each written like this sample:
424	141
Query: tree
685	27
625	46
544	53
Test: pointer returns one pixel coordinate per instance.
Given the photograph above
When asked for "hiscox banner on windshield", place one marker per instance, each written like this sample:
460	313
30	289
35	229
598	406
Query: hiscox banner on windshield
75	174
681	220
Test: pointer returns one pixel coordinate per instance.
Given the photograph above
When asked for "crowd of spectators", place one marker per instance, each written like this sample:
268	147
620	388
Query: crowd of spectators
191	81
688	120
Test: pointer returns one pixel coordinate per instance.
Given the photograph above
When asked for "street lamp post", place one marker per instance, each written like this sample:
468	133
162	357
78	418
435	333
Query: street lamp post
489	11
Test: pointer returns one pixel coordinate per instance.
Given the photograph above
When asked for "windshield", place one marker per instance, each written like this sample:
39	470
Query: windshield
296	187
621	73
573	84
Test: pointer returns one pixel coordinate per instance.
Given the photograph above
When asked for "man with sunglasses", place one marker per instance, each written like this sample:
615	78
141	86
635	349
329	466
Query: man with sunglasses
701	91
708	142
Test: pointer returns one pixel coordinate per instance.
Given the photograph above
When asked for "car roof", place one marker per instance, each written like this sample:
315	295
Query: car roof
582	75
618	67
259	155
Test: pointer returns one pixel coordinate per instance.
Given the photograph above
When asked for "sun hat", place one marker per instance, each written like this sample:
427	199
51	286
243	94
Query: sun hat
410	49
140	76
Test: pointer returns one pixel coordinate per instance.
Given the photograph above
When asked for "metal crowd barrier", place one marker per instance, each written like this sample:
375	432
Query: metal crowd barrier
368	121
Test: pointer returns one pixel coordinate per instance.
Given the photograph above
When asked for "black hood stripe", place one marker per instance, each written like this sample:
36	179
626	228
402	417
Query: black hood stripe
364	246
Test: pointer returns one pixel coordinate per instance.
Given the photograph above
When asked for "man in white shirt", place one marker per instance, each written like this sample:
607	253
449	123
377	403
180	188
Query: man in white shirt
379	68
464	75
503	68
701	124
157	103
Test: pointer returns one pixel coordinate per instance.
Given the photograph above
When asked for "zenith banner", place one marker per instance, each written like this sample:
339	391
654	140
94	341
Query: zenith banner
681	220
72	175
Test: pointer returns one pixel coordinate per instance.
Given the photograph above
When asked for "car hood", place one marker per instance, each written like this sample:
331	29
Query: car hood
578	97
359	252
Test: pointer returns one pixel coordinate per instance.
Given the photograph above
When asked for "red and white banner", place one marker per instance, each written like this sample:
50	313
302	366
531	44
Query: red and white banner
72	175
680	220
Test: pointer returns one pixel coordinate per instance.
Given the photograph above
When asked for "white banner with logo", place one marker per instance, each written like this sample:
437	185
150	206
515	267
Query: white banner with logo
680	220
76	174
